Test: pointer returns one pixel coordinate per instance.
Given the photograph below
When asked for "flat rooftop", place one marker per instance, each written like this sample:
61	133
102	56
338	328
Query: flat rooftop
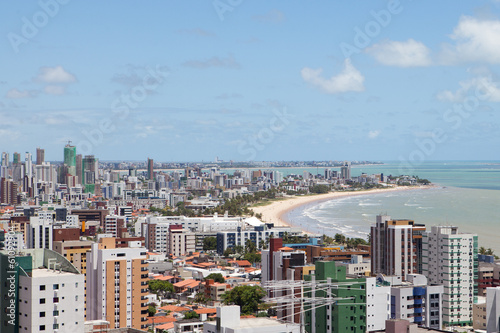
258	322
44	272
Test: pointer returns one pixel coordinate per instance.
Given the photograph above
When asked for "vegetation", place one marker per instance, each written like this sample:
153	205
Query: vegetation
247	297
209	243
350	243
201	298
161	287
151	310
217	277
191	315
319	189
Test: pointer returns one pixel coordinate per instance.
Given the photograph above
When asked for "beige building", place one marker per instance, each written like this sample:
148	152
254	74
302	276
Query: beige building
479	314
180	241
117	284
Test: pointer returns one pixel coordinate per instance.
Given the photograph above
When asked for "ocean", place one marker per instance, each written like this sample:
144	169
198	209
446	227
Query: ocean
466	195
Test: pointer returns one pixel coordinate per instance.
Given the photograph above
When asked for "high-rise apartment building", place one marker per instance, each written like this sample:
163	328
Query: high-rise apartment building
40	292
396	246
117	284
345	170
8	192
90	169
450	259
79	168
70	159
150	169
40	156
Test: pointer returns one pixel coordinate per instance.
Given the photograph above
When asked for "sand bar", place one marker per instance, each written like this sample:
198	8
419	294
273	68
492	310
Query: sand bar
274	212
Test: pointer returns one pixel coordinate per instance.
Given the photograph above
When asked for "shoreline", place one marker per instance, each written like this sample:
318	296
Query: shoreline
276	211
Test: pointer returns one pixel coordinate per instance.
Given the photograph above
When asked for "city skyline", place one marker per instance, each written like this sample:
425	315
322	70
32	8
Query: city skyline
252	81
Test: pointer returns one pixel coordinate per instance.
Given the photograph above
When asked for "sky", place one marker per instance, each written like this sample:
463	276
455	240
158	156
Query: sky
257	80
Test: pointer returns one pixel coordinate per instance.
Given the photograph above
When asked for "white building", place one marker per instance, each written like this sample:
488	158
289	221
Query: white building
450	259
51	299
180	241
493	309
229	321
417	302
378	305
40	233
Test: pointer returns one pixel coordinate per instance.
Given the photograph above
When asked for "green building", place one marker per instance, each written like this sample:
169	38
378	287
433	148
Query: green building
347	314
12	266
70	159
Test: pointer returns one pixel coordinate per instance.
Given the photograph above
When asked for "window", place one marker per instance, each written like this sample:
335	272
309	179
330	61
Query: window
55	286
42	300
55	313
42	327
55	326
56	300
42	288
42	314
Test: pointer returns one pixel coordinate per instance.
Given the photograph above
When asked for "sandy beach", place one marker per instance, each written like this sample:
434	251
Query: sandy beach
274	212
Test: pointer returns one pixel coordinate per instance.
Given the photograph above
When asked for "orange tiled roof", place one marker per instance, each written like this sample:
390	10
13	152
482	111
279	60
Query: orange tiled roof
161	319
164	278
174	308
166	326
206	310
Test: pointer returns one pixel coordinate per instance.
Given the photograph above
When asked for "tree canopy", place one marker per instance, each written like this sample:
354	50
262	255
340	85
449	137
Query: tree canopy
209	243
247	297
158	286
217	277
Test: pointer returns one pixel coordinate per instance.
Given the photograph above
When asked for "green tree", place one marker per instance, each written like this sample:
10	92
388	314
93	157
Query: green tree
161	287
482	250
201	298
209	243
238	249
228	252
250	246
247	297
151	310
191	315
217	277
253	257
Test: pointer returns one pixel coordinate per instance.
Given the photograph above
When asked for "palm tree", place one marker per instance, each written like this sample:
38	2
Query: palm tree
482	250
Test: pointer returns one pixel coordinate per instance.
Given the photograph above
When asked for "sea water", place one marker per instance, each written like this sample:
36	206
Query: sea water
466	195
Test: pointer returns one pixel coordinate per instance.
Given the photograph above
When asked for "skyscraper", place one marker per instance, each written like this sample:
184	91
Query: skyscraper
396	246
450	259
117	284
150	169
70	159
90	172
16	159
345	170
40	156
79	168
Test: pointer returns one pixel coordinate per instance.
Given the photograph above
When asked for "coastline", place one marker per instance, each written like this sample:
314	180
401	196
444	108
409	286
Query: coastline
276	211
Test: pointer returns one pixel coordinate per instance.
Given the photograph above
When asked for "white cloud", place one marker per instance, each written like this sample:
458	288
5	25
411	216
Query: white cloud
373	134
54	90
17	94
476	40
54	75
350	79
401	54
482	88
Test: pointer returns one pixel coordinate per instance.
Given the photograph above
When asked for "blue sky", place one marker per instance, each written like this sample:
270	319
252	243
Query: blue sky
251	80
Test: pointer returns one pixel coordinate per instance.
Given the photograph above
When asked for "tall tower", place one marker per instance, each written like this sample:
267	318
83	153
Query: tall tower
345	170
40	156
396	247
150	169
117	284
450	259
16	158
70	158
